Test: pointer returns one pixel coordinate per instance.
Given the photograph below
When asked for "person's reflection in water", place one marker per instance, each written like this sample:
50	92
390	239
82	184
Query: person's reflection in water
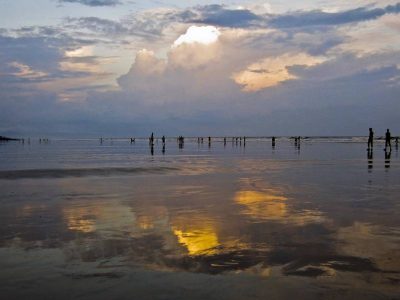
387	158
152	149
163	149
370	156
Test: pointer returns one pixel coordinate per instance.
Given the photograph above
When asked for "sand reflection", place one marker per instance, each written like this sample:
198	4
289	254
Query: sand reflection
104	218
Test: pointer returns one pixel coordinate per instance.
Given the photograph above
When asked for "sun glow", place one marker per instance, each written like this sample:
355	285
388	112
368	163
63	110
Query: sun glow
198	34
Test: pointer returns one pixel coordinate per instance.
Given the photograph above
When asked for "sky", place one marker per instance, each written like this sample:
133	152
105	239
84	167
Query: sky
122	68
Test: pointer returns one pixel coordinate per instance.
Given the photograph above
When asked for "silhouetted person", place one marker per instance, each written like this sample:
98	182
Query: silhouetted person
152	149
273	141
387	157
163	140
151	139
181	141
387	140
132	140
224	141
371	139
370	157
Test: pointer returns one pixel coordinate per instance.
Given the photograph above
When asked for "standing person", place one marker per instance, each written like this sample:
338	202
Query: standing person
151	139
163	140
273	141
387	140
371	139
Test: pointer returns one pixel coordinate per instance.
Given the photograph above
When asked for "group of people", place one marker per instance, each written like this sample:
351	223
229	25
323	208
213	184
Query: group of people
388	139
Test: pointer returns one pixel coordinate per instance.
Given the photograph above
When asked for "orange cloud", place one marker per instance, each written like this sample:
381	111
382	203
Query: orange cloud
272	71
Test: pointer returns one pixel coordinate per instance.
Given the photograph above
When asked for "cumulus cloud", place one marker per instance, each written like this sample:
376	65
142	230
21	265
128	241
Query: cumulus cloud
93	2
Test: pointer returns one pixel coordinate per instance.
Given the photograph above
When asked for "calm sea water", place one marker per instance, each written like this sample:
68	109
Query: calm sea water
80	219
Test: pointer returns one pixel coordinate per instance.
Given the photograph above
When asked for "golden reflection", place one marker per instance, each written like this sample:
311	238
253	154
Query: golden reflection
81	218
202	241
271	204
197	233
262	205
145	222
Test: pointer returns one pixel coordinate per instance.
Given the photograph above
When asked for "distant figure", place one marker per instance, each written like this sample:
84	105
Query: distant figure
202	140
163	140
387	140
101	140
198	140
209	139
151	139
371	139
244	139
152	149
224	141
132	140
273	141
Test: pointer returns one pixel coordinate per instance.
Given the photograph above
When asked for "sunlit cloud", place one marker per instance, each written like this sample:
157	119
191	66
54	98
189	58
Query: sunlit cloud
272	71
198	34
24	71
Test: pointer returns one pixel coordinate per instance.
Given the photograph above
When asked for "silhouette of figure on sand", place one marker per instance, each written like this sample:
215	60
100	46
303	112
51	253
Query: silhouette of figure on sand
163	140
181	141
387	140
273	142
371	139
151	139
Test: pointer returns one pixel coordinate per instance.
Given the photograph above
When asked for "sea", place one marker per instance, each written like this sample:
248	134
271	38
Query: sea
113	218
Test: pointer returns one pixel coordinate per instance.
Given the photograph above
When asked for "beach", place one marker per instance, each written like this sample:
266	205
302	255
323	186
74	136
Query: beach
111	219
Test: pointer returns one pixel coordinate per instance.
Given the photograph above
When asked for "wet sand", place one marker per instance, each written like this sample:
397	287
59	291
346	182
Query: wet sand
80	220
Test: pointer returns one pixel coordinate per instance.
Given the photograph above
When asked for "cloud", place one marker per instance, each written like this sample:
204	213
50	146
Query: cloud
198	34
93	2
255	72
321	18
24	71
218	15
271	71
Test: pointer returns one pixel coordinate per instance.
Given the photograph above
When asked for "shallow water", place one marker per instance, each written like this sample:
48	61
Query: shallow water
91	220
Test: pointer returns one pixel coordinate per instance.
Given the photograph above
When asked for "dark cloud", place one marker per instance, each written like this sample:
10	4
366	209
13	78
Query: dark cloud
220	16
93	2
320	18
